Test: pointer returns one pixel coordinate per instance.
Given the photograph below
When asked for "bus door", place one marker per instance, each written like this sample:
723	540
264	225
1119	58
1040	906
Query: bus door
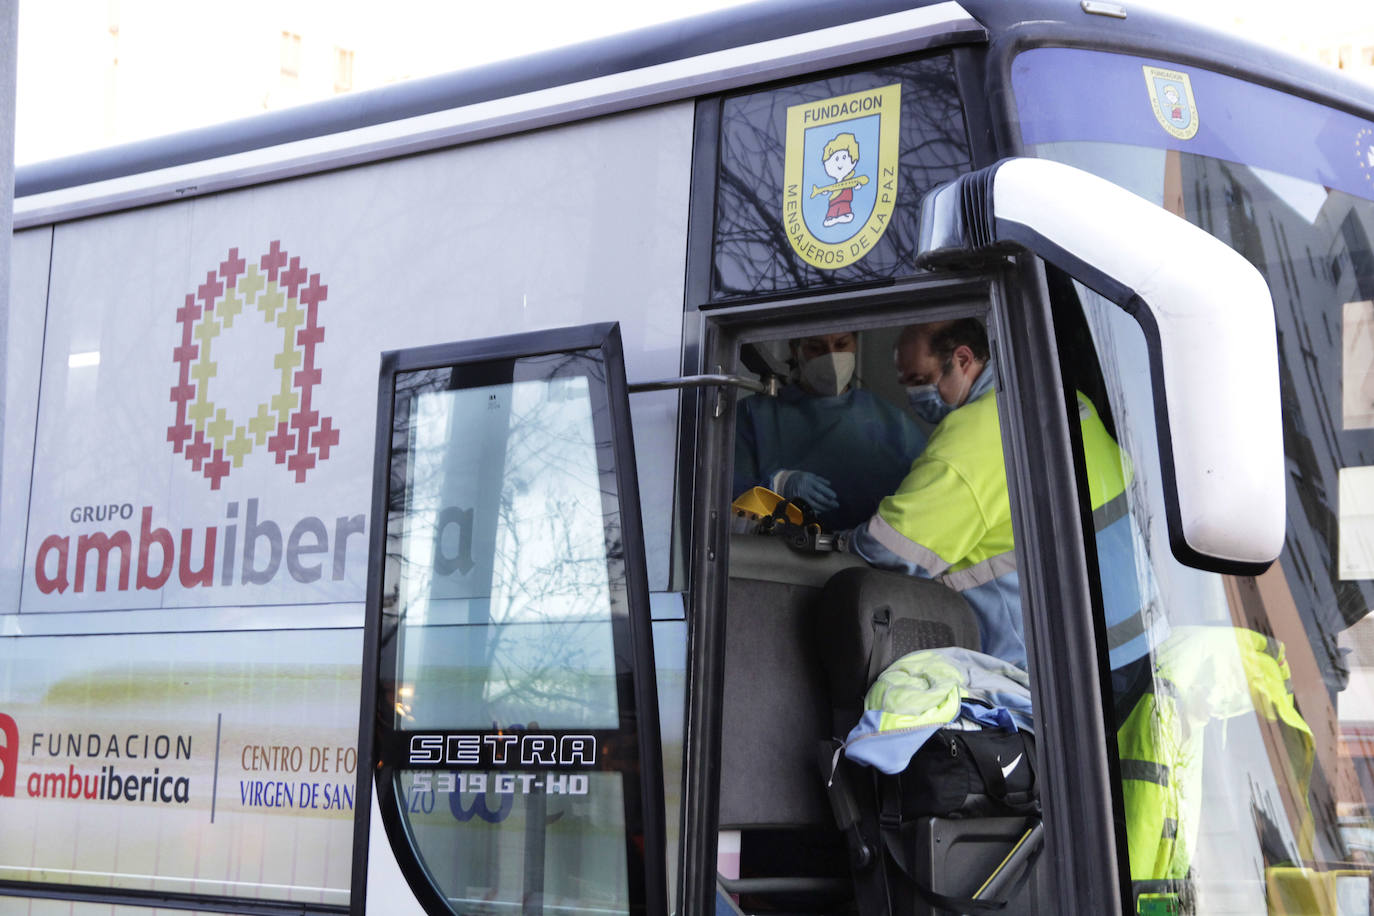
763	706
509	702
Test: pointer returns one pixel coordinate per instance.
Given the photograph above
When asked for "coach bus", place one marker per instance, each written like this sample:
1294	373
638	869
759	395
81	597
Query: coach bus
366	541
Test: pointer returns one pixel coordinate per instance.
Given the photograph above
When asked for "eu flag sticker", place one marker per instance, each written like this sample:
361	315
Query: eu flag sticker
1171	96
840	175
1364	153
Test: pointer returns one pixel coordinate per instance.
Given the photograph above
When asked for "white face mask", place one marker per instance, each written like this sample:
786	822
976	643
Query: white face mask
828	374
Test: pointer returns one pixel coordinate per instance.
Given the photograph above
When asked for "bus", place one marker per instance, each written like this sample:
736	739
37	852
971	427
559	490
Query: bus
323	594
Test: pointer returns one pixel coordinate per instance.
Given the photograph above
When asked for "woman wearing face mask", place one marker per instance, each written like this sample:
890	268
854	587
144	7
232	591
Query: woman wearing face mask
823	440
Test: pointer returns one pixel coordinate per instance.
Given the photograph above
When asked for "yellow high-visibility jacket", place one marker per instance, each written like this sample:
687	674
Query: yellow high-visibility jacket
1202	675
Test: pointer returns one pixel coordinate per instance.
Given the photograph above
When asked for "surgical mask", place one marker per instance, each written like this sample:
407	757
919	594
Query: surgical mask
926	401
828	374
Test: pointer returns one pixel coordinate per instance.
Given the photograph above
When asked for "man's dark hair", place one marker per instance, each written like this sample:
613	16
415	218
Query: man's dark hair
962	332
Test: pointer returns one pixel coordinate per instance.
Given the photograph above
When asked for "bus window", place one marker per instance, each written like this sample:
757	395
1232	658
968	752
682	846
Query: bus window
1242	735
514	707
773	149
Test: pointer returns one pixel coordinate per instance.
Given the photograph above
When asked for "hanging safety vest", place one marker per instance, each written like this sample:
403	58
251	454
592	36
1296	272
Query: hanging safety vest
1202	675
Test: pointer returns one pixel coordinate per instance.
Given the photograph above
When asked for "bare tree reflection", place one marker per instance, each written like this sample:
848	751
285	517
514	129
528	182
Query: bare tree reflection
752	253
524	631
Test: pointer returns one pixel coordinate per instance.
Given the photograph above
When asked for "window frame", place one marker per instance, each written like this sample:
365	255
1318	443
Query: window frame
646	877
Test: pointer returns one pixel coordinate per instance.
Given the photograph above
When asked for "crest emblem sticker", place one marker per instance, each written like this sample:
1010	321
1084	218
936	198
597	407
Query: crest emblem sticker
1171	96
840	175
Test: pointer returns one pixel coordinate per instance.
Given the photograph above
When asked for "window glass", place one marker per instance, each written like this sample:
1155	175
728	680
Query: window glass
506	659
819	183
860	441
504	585
494	839
21	349
123	357
885	441
1242	733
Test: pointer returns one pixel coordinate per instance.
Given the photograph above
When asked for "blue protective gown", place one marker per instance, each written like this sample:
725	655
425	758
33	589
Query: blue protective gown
860	443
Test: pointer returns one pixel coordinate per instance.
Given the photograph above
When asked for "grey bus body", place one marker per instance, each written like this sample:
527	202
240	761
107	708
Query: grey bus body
266	645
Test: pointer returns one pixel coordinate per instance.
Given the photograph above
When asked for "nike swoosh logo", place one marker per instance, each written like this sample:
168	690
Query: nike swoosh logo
1006	770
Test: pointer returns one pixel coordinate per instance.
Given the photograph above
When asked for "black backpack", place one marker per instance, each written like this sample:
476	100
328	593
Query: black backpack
959	773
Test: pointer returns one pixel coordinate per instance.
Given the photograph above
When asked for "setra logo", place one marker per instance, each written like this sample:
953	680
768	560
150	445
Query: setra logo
286	420
9	755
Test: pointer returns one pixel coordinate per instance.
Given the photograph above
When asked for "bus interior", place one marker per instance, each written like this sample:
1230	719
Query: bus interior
786	707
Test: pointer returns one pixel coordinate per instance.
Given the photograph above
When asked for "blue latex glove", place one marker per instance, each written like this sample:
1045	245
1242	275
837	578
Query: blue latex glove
813	488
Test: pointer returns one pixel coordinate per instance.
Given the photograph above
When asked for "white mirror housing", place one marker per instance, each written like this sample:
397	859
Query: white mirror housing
1208	319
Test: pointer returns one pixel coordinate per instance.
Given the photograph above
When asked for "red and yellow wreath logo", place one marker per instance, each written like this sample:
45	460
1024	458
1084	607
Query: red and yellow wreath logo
285	295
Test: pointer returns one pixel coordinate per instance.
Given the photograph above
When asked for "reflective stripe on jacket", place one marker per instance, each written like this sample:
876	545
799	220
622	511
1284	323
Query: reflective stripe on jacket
1129	596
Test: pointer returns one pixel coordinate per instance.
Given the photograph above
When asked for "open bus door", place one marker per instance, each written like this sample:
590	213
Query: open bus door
509	712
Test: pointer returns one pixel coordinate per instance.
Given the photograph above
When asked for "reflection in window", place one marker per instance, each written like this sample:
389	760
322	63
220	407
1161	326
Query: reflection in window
1357	523
1275	771
1357	365
1277	714
505	594
556	840
505	628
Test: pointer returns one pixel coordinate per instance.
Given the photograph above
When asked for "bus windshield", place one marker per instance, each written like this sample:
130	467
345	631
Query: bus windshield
1245	737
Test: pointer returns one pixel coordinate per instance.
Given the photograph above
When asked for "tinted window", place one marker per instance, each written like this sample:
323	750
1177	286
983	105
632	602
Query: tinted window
510	739
790	211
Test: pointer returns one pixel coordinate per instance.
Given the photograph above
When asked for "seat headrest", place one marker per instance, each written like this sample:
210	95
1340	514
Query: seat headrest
864	619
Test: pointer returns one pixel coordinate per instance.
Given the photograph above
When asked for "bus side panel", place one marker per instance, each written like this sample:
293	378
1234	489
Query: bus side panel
191	593
21	351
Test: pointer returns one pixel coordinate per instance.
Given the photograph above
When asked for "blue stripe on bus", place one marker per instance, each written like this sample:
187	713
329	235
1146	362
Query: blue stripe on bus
1071	94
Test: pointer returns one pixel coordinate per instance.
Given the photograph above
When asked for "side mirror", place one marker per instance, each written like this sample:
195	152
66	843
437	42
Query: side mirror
1207	317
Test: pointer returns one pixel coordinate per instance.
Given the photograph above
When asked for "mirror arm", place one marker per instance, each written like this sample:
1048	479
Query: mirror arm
1208	322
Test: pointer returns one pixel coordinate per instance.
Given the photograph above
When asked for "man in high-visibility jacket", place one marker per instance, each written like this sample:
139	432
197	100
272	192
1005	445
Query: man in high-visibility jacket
950	519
